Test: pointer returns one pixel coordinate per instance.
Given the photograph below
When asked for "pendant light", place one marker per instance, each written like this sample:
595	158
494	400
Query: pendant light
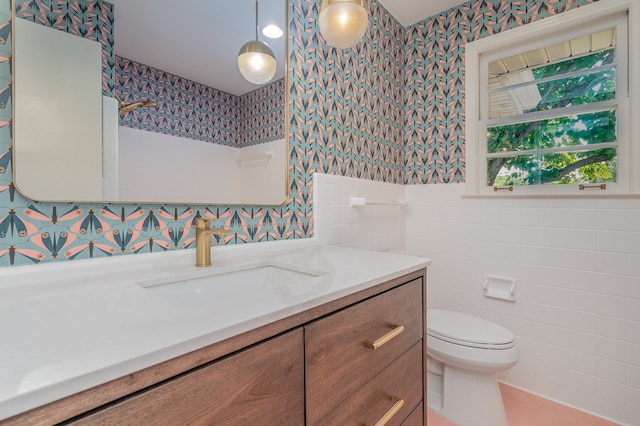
256	60
343	22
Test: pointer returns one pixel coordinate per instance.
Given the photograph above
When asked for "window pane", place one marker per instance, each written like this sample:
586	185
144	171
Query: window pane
572	130
573	72
587	62
595	166
584	89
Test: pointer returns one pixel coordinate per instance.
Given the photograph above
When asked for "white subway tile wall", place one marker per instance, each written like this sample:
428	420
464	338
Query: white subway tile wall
370	227
576	262
577	317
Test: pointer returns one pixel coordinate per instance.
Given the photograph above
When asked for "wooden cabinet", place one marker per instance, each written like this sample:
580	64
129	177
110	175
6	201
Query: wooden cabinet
351	361
393	394
262	385
366	360
417	417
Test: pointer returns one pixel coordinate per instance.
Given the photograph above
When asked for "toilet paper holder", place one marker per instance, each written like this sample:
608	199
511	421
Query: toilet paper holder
500	288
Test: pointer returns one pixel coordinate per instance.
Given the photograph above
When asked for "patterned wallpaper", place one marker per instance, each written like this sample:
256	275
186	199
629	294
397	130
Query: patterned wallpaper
261	114
347	106
347	117
91	19
434	90
195	111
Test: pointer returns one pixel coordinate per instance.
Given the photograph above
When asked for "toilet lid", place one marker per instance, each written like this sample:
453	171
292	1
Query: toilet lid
467	330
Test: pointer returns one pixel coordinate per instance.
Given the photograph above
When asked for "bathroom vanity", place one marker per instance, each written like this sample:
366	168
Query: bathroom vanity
344	347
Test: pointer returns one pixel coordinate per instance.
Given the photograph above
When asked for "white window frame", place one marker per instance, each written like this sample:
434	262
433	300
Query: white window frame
583	20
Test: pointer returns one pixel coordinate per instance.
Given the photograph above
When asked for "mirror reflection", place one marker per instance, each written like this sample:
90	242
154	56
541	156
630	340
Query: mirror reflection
145	103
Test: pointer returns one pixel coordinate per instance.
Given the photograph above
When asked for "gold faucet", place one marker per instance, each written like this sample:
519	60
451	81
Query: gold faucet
203	240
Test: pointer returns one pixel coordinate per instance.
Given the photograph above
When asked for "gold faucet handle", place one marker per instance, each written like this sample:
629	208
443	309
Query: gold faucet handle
202	223
220	232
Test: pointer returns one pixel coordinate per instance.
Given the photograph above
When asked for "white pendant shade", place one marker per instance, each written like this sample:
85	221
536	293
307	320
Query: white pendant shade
256	62
343	22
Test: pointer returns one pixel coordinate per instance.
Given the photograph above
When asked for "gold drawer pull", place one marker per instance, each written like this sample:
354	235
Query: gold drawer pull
397	329
397	405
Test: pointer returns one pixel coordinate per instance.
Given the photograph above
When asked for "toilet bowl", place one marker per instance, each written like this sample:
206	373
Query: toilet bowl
465	354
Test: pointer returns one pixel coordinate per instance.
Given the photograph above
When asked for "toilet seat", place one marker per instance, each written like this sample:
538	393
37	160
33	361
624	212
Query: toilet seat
466	354
466	330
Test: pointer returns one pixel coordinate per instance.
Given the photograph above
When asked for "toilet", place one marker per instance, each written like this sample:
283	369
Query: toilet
465	354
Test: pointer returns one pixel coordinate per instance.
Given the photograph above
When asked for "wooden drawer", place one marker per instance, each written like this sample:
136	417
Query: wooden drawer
416	418
398	385
337	360
262	385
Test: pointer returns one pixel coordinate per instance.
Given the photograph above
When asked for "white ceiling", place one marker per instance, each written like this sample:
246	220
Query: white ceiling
196	39
408	12
192	38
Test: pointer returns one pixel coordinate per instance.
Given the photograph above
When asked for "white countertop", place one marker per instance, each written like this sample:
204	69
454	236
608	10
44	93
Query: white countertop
66	327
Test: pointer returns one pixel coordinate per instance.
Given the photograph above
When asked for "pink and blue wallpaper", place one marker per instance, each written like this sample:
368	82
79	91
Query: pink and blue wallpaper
185	108
91	19
434	89
347	106
261	114
390	109
192	110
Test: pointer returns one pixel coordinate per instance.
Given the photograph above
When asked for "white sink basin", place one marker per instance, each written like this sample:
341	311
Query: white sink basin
205	288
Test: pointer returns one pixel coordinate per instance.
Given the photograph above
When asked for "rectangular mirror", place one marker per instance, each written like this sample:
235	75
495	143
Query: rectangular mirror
146	104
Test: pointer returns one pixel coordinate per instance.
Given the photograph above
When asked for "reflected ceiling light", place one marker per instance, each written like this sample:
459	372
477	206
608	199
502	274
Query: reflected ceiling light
256	60
272	31
343	22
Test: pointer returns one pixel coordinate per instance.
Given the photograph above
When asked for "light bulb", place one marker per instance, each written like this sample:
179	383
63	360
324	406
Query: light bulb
256	62
343	22
272	31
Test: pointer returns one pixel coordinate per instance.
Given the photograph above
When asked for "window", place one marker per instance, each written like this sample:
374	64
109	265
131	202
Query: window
548	105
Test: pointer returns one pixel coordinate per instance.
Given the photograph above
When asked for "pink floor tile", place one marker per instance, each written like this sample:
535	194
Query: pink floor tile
525	409
435	420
